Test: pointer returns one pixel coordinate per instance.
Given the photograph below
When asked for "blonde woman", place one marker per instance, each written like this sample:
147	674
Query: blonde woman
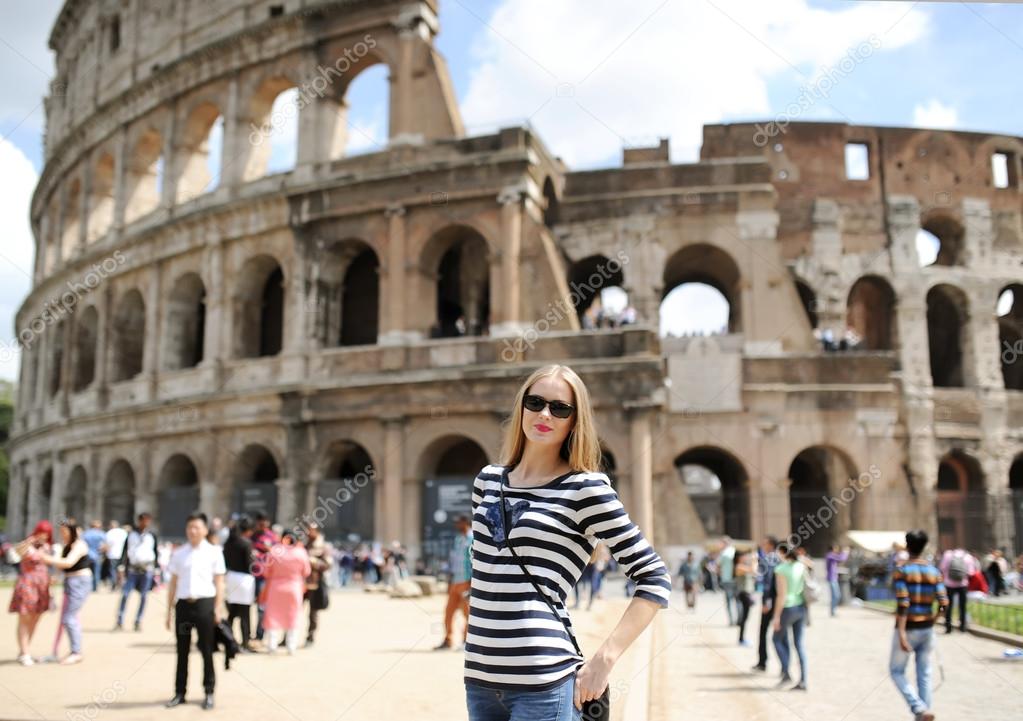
521	659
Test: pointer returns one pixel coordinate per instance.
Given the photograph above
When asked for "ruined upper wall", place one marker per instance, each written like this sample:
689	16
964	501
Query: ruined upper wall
939	168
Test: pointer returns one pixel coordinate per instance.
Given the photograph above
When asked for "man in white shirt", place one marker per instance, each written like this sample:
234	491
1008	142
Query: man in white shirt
136	566
116	536
196	593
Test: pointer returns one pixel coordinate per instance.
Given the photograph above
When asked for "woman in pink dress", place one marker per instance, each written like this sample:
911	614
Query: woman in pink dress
286	570
31	597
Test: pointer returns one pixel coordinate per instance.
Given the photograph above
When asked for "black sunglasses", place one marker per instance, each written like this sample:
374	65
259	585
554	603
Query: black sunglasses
559	409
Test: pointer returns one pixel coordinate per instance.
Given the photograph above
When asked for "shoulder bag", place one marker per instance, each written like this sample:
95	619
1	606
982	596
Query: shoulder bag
598	709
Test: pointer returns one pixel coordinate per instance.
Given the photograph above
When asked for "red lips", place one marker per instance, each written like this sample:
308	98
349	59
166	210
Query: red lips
542	428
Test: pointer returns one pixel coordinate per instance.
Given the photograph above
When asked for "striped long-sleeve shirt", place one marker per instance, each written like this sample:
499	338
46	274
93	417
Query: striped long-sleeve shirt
917	587
514	641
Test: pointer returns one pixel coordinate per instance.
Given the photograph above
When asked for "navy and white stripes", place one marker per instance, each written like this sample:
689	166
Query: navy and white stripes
514	641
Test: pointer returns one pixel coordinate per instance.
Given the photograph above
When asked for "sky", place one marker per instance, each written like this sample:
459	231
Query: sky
592	77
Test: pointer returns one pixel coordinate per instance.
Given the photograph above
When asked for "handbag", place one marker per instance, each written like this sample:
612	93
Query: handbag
811	589
598	709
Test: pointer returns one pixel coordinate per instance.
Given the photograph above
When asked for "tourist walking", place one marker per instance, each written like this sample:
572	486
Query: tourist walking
957	566
917	584
74	562
195	595
790	614
263	539
689	573
285	571
31	597
114	549
746	587
726	574
95	539
767	561
536	518
316	590
835	557
138	565
459	574
240	590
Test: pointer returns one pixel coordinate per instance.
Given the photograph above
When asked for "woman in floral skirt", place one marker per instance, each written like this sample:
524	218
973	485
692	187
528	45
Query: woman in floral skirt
31	597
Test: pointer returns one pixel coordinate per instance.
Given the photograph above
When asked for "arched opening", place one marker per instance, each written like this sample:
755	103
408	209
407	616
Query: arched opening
1010	335
349	492
26	508
701	293
84	358
961	503
75	494
200	151
119	493
127	336
552	207
348	293
462	272
101	202
822	498
57	358
255	487
71	226
259	307
144	176
870	313
273	121
46	494
179	494
947	314
447	492
1016	494
718	486
595	284
185	324
365	108
808	299
947	233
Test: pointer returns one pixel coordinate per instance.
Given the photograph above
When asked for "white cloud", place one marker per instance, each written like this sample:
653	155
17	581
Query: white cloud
935	114
619	73
16	250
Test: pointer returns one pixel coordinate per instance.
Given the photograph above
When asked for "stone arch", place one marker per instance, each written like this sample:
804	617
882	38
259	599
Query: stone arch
588	279
119	492
56	379
348	291
821	508
363	130
273	116
707	265
449	465
1016	497
75	495
457	259
947	339
870	312
127	337
101	199
144	175
178	484
718	486
961	502
808	299
346	507
1010	335
86	330
46	494
949	233
254	481
185	324
260	308
198	157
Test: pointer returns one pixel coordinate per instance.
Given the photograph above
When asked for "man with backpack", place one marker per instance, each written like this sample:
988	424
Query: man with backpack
138	564
956	567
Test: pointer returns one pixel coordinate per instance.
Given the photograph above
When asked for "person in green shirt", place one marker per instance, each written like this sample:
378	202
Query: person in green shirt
790	613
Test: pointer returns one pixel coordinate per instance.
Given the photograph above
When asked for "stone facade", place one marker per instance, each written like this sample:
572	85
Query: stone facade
340	340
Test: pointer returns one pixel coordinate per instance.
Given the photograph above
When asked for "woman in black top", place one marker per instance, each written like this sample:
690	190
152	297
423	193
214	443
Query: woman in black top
74	562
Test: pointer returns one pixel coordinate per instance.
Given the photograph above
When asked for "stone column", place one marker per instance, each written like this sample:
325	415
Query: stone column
392	312
978	233
36	511
217	334
104	304
402	125
641	457
393	476
58	510
903	227
15	522
235	153
509	320
65	366
84	197
121	153
153	331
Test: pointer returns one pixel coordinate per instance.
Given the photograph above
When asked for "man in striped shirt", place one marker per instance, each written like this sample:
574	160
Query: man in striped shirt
918	584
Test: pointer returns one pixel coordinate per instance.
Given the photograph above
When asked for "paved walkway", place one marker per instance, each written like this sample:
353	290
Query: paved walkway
374	662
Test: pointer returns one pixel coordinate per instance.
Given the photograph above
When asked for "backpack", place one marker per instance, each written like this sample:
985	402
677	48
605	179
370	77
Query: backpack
811	589
957	569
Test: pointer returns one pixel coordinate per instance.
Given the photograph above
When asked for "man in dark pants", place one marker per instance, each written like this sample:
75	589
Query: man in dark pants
767	561
240	583
196	593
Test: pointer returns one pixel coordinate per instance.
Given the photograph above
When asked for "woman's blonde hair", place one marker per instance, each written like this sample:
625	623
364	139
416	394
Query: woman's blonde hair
582	447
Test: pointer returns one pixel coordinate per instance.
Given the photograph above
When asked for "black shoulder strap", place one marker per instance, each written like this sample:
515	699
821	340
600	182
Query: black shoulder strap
532	580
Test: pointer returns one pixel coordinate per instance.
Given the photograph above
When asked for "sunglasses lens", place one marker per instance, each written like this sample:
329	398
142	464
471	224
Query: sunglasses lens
561	410
534	403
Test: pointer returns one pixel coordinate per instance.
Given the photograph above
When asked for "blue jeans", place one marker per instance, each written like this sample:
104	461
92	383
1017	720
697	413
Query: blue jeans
836	595
76	590
793	617
140	581
97	568
555	704
921	640
729	588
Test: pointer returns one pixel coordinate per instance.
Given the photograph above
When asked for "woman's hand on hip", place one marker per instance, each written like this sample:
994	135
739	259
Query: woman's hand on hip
590	681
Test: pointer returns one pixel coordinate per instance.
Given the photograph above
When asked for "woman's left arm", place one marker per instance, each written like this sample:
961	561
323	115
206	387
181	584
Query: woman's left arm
78	549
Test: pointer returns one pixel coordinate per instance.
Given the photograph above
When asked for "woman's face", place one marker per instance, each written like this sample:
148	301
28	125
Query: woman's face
542	427
65	535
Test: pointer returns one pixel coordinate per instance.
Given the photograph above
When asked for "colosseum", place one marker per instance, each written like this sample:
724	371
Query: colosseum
342	337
